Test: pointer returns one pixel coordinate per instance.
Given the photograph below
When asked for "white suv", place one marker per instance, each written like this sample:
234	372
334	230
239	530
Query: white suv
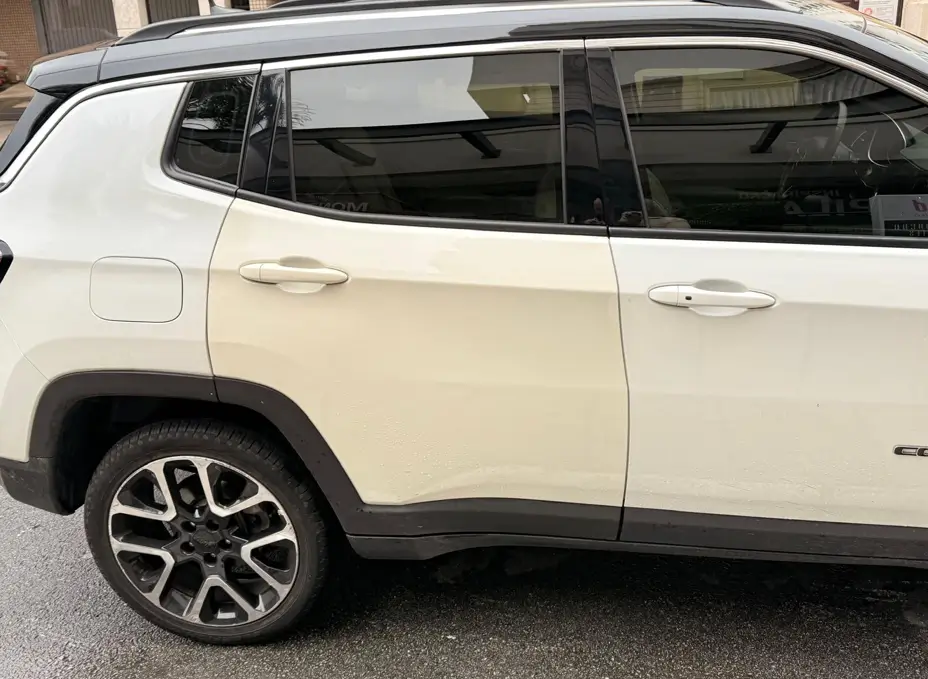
611	275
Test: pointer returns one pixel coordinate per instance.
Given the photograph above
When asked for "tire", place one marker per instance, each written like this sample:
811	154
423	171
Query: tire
230	457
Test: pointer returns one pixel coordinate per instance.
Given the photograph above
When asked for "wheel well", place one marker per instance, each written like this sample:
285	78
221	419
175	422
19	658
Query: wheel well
93	425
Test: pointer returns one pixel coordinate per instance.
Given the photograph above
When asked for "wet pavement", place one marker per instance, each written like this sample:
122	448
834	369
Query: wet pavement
497	613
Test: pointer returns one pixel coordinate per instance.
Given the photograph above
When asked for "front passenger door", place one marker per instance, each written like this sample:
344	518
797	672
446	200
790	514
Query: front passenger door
773	310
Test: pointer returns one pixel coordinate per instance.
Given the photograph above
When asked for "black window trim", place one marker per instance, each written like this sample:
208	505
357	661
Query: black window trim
558	47
250	153
603	99
773	45
562	125
168	164
249	121
286	93
579	113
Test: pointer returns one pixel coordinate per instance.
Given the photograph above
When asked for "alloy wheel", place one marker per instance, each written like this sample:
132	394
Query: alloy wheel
203	540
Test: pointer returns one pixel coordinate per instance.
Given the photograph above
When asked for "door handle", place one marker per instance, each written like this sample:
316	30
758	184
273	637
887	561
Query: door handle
693	297
272	272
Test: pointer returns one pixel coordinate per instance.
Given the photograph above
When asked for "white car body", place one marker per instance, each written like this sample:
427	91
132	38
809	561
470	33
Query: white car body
453	384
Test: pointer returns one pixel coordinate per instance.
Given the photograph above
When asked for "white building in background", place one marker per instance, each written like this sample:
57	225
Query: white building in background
915	17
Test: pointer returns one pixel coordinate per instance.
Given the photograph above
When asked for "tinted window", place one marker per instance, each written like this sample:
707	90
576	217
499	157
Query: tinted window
209	141
584	185
762	141
467	138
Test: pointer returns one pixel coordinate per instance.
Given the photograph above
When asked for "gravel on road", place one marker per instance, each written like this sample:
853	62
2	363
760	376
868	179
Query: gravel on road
498	613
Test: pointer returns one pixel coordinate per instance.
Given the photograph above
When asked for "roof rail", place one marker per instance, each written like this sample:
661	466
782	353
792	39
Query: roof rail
291	8
283	4
753	4
301	8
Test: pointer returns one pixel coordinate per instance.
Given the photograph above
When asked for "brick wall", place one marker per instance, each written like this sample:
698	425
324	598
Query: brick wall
17	33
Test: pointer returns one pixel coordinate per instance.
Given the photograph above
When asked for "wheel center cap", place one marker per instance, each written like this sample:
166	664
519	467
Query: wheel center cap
204	540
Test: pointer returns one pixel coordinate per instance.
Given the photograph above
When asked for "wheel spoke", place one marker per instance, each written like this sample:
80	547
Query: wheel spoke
196	605
284	535
140	512
195	609
227	510
203	472
168	488
155	594
139	548
248	503
251	612
161	482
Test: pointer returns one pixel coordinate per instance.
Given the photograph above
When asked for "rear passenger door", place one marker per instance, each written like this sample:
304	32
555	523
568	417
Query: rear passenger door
773	307
412	273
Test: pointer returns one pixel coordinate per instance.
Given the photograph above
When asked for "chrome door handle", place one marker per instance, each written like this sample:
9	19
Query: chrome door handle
272	272
692	296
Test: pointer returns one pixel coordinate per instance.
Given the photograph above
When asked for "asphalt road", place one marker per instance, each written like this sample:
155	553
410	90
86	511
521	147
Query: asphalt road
498	614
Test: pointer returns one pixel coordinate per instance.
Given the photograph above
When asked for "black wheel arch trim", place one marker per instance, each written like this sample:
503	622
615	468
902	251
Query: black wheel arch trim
472	515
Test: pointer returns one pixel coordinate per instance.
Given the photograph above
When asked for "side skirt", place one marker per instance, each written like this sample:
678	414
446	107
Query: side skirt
430	546
687	533
826	538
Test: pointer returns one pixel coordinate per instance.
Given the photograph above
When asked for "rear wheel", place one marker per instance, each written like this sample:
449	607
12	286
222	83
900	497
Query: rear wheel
201	528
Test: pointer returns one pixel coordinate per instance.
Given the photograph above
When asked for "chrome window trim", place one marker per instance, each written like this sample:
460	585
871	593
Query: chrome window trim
108	88
424	53
769	44
374	15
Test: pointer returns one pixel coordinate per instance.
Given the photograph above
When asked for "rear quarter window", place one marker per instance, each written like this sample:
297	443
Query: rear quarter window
210	134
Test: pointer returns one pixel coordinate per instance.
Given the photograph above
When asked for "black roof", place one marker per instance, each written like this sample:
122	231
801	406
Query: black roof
304	28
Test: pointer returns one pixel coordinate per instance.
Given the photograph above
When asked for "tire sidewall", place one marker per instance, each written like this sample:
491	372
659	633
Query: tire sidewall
125	459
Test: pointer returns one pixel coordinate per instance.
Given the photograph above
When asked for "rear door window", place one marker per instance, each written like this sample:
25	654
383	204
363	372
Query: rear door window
475	137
